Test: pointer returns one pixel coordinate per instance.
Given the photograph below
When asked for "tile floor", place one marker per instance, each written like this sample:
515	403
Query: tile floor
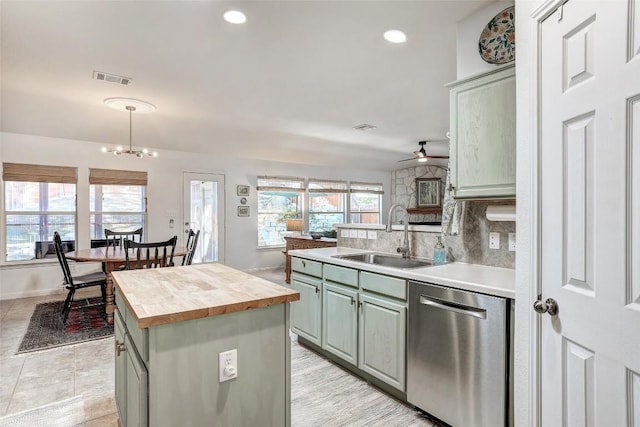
35	379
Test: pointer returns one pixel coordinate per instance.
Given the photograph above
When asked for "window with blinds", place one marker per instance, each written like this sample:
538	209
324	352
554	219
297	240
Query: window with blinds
279	199
327	203
39	200
117	201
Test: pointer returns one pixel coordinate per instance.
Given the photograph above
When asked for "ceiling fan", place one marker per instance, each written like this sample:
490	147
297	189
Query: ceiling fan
421	154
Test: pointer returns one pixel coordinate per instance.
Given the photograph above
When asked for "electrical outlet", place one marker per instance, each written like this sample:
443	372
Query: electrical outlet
228	365
362	234
512	241
372	234
353	234
344	233
494	240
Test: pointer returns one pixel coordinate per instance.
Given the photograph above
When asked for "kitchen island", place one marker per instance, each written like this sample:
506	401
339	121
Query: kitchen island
171	325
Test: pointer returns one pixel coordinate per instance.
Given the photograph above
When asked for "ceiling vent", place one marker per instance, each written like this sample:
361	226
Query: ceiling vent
364	126
113	78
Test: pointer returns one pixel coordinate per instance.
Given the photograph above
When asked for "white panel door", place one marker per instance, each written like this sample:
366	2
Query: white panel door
590	214
204	211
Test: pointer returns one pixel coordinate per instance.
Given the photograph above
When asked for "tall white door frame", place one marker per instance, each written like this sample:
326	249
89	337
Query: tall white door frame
211	243
528	324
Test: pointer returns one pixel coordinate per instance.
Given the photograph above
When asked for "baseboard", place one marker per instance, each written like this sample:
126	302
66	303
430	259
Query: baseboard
30	294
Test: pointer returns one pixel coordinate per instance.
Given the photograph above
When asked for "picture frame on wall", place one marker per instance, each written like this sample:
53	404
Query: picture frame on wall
243	211
242	190
429	191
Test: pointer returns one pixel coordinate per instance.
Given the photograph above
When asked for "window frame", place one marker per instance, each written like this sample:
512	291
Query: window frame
99	197
43	175
284	185
315	186
327	187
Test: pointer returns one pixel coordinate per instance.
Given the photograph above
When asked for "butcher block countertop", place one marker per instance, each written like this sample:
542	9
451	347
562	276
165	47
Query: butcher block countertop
168	295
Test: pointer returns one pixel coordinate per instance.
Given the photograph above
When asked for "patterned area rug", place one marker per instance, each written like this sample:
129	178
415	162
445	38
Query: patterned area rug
85	323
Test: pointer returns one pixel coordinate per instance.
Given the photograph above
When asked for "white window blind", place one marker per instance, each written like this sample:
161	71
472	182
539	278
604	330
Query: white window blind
366	187
327	186
275	183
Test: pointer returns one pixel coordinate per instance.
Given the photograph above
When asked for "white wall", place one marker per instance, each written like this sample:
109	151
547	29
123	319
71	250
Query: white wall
469	29
164	194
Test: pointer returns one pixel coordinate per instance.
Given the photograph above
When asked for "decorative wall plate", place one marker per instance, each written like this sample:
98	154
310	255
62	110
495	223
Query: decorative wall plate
497	44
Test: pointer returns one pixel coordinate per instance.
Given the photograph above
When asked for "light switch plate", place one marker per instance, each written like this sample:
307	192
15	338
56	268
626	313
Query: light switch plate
494	240
353	234
362	234
372	234
344	233
512	242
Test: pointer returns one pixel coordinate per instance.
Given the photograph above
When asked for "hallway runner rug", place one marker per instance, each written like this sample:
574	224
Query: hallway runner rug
85	323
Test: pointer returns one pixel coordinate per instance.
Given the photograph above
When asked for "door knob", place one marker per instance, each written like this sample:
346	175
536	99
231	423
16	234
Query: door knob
549	306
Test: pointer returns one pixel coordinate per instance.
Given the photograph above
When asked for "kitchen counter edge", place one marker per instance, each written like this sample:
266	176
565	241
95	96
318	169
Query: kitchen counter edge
496	281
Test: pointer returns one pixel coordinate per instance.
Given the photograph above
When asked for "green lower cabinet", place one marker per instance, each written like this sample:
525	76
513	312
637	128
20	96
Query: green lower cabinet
120	368
306	314
131	382
340	322
382	344
137	403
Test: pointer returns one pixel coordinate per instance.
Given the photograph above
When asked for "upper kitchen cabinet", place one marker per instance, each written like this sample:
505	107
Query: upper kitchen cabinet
483	135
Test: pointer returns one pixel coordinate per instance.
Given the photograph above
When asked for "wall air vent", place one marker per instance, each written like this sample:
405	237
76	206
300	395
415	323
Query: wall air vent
364	126
113	78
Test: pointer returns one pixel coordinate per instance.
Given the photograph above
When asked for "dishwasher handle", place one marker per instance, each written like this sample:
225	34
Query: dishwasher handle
454	307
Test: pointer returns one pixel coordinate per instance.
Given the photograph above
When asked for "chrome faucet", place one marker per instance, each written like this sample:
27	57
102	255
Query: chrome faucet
404	249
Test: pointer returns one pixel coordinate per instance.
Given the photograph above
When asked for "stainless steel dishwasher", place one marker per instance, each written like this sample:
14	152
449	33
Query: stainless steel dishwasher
458	356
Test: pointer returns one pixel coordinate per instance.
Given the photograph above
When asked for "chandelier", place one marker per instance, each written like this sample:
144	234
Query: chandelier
130	105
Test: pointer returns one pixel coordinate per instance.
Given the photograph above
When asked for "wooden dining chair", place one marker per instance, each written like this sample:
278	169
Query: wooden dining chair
117	238
149	255
192	244
72	283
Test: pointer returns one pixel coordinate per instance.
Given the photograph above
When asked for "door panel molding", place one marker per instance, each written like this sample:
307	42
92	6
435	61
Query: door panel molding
578	57
578	385
578	166
633	398
633	210
633	30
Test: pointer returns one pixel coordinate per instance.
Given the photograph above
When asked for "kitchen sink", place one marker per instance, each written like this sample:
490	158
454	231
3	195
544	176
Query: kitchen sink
386	260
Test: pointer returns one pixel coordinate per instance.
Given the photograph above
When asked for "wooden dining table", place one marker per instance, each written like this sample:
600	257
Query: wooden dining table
112	258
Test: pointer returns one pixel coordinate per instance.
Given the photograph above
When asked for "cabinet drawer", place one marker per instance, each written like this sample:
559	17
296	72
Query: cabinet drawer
312	268
346	276
385	285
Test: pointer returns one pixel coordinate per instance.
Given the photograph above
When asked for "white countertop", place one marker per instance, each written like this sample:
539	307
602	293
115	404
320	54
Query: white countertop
495	281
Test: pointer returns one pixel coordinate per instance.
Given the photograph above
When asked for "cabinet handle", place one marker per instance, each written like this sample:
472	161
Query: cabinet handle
317	290
353	301
360	304
119	347
304	264
451	187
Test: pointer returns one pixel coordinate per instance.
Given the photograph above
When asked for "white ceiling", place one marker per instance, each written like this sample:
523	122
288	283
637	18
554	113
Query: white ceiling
289	85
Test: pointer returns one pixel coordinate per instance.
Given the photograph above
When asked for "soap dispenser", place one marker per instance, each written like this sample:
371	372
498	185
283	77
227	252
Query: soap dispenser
439	253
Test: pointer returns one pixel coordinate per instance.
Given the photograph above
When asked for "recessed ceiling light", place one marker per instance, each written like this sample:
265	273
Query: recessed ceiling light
122	104
235	17
395	36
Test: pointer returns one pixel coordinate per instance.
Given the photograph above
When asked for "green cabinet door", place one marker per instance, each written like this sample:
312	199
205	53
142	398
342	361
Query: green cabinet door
136	384
306	313
483	135
382	340
120	368
340	322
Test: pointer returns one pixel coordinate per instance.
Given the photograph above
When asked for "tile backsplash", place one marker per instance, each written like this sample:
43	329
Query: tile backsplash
471	245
